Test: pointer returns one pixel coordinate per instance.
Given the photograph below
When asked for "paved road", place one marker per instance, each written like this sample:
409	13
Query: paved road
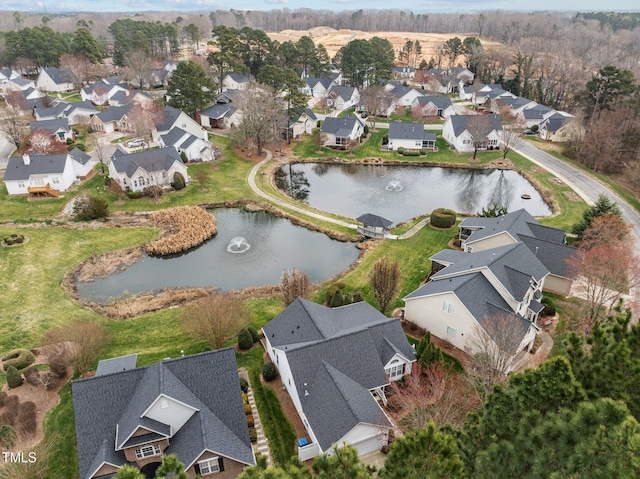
583	184
6	148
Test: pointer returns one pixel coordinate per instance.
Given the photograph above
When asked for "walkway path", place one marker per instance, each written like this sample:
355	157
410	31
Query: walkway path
262	445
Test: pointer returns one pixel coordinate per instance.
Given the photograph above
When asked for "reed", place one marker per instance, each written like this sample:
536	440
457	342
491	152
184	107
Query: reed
185	227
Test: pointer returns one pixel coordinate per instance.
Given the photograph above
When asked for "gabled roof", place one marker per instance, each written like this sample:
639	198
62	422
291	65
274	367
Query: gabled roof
178	138
460	123
210	380
551	254
400	90
171	115
38	165
409	131
55	110
332	125
325	82
537	112
52	126
344	92
441	101
21	81
80	156
238	77
113	113
555	122
114	365
336	357
219	110
80	105
517	102
58	75
148	160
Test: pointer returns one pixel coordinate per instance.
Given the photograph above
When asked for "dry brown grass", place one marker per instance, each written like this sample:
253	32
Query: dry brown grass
184	226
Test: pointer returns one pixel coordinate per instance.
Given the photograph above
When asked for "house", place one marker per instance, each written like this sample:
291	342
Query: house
47	174
374	226
480	93
7	74
80	112
301	121
548	244
341	131
404	72
468	293
136	171
113	119
536	115
220	115
432	106
25	102
54	80
464	131
129	97
436	81
189	406
516	105
560	126
317	87
52	112
19	84
195	149
342	97
335	363
404	95
235	81
410	136
101	92
172	118
58	128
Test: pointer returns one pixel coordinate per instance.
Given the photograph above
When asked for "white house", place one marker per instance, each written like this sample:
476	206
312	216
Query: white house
404	95
317	87
100	92
301	121
58	128
342	97
136	171
464	131
7	74
432	106
80	112
410	136
334	363
220	115
113	119
40	174
468	293
195	149
174	118
404	72
560	126
341	131
55	80
235	81
19	84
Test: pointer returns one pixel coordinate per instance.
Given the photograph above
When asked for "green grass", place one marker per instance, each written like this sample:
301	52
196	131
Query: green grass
62	461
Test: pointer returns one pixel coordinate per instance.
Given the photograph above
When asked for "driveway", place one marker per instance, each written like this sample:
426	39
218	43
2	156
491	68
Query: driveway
6	148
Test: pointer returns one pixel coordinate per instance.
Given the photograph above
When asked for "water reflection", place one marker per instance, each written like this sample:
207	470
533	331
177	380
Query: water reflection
293	183
403	192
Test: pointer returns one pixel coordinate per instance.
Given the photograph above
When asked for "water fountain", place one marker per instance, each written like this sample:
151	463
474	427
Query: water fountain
394	186
238	245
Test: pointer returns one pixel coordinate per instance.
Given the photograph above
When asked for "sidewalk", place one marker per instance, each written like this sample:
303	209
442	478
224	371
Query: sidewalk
262	445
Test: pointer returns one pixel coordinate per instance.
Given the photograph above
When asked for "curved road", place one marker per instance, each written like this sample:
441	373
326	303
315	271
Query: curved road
583	184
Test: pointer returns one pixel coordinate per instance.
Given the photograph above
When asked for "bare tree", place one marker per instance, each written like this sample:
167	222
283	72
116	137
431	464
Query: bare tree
494	344
606	230
385	281
138	66
79	67
145	119
12	127
433	393
202	177
41	141
294	284
216	319
262	113
99	151
373	98
87	340
604	273
479	127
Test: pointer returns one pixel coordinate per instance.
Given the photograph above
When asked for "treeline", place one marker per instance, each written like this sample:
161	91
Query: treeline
155	39
614	21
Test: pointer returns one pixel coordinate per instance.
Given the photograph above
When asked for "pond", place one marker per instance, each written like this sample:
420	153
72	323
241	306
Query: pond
400	193
250	249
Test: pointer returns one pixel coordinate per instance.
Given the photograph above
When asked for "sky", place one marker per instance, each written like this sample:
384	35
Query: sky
416	6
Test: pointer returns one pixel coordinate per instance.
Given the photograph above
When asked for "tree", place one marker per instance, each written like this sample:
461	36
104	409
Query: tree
604	273
411	52
87	339
433	393
216	319
342	464
452	49
91	208
427	352
602	206
424	453
227	54
493	211
293	469
171	467
79	67
41	141
261	116
98	149
12	126
190	88
193	34
128	472
606	230
145	119
479	127
608	87
294	284
365	62
385	281
138	64
201	177
84	43
373	98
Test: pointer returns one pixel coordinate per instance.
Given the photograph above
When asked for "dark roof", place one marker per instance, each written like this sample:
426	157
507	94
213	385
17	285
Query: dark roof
460	123
536	113
332	124
176	137
171	115
441	101
515	103
344	92
149	160
80	156
21	81
207	381
551	254
325	82
400	90
409	131
555	122
219	110
58	75
55	110
336	357
239	77
38	165
369	219
114	365
113	113
50	125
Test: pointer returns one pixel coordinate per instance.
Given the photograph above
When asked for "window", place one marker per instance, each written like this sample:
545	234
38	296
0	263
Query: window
451	331
209	466
146	451
447	307
394	372
55	180
21	184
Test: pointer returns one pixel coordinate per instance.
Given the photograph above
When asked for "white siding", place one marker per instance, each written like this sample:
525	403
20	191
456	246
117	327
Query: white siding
169	411
366	438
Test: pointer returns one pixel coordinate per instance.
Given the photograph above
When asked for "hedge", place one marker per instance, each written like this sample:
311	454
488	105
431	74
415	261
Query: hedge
19	359
254	334
245	340
443	218
549	306
14	378
269	372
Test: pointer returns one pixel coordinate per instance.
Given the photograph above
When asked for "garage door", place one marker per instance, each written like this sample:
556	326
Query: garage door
368	445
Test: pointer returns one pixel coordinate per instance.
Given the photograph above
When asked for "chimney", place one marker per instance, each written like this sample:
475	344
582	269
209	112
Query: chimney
26	159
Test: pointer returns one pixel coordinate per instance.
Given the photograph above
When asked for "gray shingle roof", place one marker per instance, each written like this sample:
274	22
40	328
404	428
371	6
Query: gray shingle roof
113	365
409	131
325	82
52	126
516	223
80	156
344	92
551	254
536	113
332	125
149	160
369	219
219	110
441	101
38	165
174	136
113	113
52	111
210	380
460	123
171	115
58	75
